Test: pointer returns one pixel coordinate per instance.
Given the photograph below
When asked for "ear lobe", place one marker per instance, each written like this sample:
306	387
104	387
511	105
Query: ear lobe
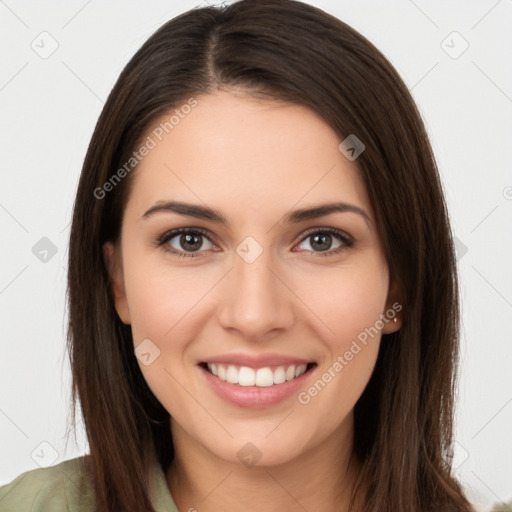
112	259
394	309
393	324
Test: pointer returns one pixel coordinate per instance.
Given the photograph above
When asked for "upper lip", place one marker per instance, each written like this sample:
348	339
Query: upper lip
256	361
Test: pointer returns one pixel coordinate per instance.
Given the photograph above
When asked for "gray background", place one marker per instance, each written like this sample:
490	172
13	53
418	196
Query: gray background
50	103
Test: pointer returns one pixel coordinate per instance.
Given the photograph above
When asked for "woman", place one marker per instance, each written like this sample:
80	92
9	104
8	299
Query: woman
263	309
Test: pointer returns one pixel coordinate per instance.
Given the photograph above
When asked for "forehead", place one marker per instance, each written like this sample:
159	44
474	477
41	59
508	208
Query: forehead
233	152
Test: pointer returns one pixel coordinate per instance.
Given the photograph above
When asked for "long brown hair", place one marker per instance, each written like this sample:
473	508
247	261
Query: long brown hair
291	51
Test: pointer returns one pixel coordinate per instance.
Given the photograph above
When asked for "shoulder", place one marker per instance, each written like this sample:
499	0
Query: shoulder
63	487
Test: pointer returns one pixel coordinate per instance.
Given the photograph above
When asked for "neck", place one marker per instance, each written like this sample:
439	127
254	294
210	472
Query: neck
320	479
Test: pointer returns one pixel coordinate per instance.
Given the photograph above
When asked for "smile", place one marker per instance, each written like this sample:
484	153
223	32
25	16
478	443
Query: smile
256	381
259	377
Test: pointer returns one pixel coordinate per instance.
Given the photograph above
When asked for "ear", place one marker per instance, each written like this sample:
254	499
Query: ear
112	259
394	309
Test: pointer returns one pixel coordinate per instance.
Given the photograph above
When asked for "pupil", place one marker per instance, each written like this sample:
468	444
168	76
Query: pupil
187	240
325	241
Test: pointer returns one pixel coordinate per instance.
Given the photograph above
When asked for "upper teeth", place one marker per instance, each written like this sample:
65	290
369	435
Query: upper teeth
262	377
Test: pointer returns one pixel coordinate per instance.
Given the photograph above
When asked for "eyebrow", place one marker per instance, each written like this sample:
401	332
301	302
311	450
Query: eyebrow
294	217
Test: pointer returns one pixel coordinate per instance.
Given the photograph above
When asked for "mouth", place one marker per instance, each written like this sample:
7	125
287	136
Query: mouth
260	377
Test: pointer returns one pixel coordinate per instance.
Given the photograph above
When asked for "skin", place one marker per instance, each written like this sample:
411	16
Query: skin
254	161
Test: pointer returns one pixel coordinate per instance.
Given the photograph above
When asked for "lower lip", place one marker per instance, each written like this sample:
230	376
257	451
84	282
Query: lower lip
254	396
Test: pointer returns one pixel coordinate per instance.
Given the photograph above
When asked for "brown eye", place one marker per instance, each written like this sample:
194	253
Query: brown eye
322	240
185	241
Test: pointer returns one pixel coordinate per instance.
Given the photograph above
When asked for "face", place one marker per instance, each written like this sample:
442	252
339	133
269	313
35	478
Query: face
285	304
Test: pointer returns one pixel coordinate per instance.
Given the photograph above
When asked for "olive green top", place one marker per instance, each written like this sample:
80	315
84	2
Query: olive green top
65	488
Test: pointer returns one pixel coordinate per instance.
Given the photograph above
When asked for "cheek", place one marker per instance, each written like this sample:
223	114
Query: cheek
349	304
162	309
165	308
163	301
347	301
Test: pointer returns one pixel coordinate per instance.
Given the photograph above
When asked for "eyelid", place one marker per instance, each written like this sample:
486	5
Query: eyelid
168	235
334	231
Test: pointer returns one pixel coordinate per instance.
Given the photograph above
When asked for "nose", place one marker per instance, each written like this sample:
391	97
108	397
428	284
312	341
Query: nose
255	299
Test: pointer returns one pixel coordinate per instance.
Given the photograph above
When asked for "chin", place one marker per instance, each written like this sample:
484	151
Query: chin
260	449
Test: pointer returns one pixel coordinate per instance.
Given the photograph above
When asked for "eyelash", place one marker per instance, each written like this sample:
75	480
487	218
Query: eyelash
347	241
